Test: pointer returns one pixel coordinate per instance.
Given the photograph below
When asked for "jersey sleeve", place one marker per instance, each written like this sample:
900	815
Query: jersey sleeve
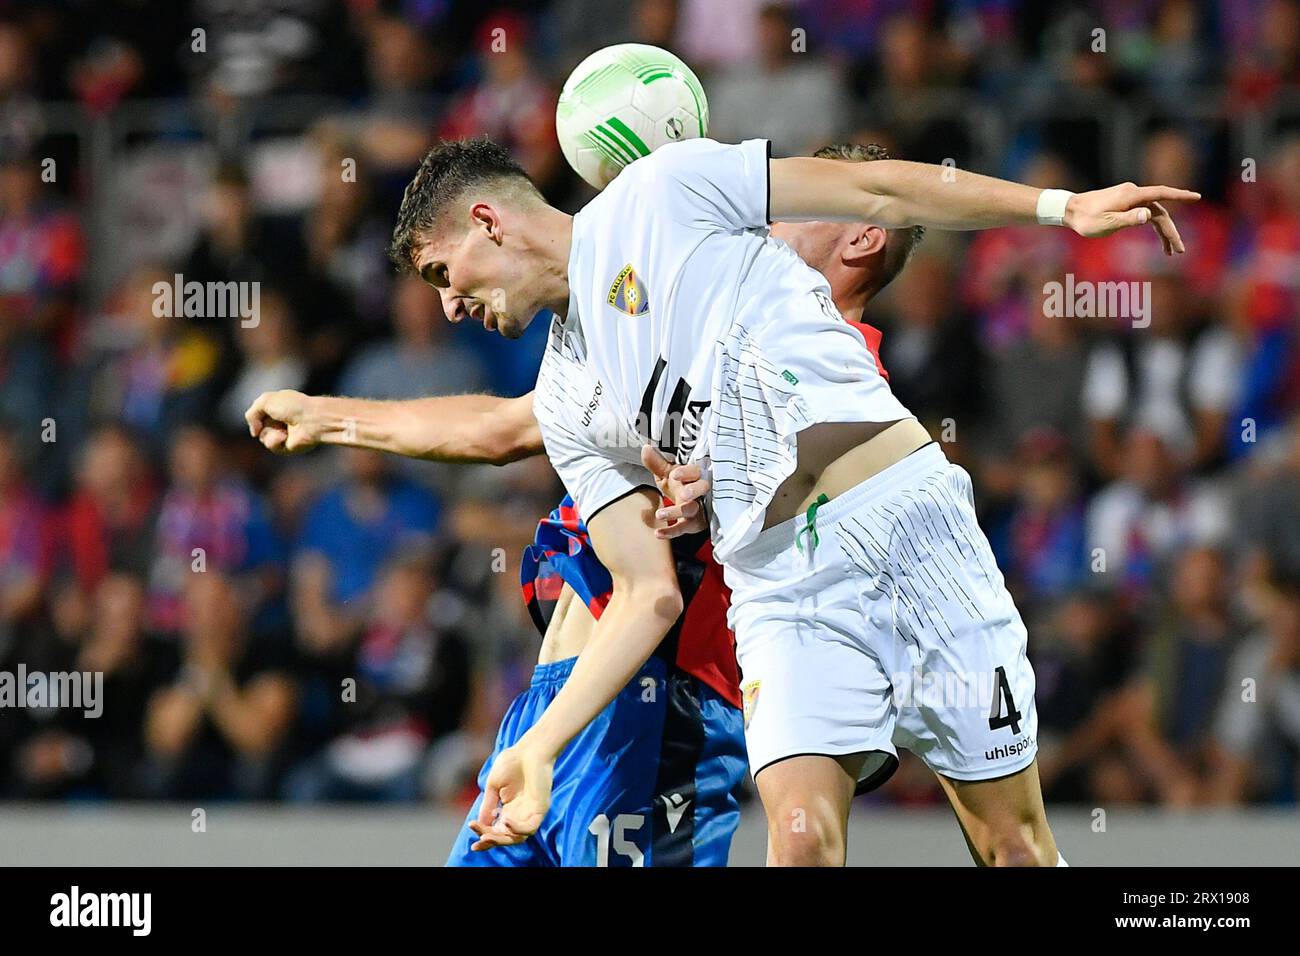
591	477
714	185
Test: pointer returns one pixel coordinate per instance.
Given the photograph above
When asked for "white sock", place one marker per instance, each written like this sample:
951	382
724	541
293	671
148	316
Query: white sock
1060	860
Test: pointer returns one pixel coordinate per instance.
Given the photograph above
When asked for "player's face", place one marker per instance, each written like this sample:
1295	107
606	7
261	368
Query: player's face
480	278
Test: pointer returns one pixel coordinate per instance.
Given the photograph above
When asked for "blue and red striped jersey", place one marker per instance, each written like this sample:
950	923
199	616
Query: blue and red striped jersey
700	643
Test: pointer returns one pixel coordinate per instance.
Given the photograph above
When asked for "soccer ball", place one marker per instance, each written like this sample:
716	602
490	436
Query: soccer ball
622	102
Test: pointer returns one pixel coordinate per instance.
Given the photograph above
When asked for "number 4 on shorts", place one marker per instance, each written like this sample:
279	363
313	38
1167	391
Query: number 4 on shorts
1001	692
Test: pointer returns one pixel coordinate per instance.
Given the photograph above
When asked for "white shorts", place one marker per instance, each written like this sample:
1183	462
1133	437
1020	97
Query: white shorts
889	626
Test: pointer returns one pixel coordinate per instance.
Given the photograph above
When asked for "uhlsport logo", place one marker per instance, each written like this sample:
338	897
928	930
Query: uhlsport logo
1013	749
628	294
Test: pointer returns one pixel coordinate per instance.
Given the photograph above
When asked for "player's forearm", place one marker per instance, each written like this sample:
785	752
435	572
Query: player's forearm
631	627
466	429
897	194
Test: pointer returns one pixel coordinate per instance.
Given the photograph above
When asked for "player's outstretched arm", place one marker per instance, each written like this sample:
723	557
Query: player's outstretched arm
644	604
464	429
896	194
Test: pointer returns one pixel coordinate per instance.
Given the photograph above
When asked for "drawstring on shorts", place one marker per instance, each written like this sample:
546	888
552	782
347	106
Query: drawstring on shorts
811	527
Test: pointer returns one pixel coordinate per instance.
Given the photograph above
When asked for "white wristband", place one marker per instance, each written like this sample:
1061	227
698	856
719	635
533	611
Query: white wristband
1051	206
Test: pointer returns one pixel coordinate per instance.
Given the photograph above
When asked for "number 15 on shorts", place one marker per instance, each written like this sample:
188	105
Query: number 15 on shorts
615	836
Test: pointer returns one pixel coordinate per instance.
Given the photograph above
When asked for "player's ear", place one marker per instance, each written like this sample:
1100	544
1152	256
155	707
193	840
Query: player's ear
863	243
484	216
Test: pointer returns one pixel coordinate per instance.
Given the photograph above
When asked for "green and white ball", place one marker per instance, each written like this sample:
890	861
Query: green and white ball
623	102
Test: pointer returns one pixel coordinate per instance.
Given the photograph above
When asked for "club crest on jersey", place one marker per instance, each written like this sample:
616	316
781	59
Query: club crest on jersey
749	699
628	294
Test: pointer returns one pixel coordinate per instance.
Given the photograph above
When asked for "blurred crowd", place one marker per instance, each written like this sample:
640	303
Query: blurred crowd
343	625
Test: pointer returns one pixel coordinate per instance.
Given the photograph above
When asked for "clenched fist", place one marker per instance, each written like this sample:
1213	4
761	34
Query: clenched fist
282	421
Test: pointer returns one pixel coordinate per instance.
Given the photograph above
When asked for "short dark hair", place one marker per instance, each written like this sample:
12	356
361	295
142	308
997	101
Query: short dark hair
445	174
902	242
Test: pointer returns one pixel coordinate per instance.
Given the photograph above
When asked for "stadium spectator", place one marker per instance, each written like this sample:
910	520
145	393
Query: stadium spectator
107	526
257	49
1006	269
344	238
410	688
234	244
1140	522
1268	513
209	521
716	33
120	50
26	539
1176	377
1266	56
20	117
270	359
145	366
780	94
237	245
511	103
218	725
352	529
585	25
1256	735
1084	657
1041	546
1266	293
1048	362
1170	155
421	359
1171	707
42	251
28	374
930	349
98	756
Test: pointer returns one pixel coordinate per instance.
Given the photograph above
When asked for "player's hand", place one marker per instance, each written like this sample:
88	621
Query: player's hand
1103	211
515	799
685	486
279	420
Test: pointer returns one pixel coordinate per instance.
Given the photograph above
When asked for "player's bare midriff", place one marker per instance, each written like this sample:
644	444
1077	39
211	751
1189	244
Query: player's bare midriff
837	456
570	628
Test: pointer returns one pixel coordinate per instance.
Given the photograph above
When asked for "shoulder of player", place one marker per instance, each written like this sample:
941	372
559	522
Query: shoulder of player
669	160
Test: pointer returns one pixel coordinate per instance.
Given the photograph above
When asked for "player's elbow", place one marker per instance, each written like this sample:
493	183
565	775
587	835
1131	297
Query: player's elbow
658	594
518	443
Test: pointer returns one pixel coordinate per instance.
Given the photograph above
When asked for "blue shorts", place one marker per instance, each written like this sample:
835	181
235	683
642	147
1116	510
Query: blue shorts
651	781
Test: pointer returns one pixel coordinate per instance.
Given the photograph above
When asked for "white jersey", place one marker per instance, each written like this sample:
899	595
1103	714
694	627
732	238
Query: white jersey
688	326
